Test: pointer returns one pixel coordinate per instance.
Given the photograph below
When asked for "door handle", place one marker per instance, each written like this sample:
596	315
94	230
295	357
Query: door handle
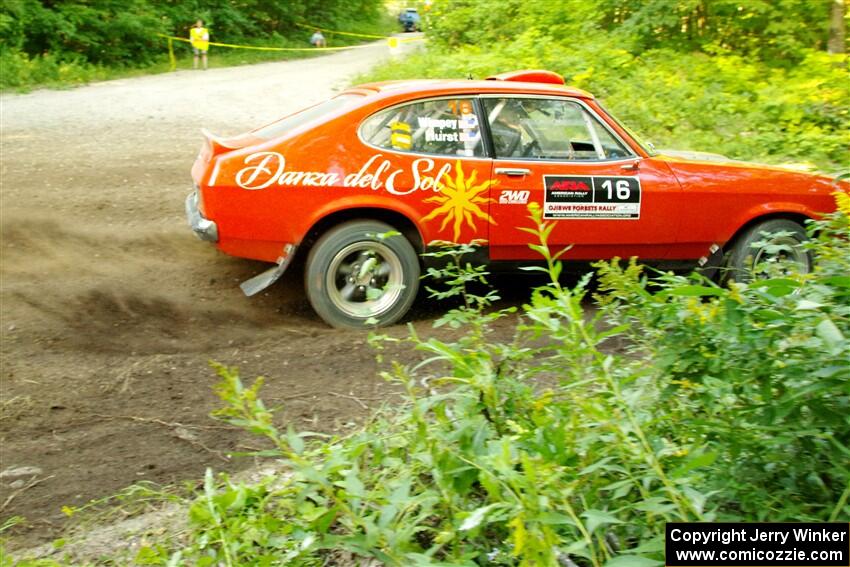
631	166
512	171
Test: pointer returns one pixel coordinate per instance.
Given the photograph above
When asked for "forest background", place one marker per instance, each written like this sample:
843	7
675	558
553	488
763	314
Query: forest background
763	80
754	80
62	43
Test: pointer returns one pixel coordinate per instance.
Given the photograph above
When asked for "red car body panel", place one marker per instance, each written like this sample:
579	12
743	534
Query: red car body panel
732	194
266	193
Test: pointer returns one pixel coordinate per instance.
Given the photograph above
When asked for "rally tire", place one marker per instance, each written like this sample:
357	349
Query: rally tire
780	239
357	276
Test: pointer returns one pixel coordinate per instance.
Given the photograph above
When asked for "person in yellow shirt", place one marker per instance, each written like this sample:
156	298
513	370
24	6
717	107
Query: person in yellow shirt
199	37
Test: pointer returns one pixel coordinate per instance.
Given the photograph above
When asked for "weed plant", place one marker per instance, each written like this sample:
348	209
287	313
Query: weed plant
759	373
730	404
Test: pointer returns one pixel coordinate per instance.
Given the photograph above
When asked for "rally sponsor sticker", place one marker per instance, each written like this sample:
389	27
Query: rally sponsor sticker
591	197
512	197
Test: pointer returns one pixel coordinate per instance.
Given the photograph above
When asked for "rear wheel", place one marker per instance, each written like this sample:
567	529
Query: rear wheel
356	273
775	244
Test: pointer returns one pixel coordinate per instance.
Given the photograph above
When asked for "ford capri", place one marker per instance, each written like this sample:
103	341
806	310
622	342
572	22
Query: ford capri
361	185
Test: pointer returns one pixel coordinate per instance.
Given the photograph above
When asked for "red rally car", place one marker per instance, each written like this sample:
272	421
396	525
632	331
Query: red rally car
363	183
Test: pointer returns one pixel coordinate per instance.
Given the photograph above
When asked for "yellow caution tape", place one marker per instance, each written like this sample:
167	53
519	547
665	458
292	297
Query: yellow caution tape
261	48
352	34
392	41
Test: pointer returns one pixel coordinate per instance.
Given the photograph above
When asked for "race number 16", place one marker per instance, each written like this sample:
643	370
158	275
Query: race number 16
617	189
622	189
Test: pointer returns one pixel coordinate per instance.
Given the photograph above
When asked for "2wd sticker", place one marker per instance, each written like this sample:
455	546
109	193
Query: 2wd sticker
591	197
508	197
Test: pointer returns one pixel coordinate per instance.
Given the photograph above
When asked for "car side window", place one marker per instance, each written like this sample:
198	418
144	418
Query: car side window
442	127
549	129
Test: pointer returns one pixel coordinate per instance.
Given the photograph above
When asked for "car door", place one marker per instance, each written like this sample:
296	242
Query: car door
603	199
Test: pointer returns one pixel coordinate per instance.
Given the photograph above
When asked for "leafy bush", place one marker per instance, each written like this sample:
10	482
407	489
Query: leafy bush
769	31
556	446
478	466
759	372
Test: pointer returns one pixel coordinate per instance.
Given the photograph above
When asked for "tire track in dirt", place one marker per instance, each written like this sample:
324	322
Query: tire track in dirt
111	309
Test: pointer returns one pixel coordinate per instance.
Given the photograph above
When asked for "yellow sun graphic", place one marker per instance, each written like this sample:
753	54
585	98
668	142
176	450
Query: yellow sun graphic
460	199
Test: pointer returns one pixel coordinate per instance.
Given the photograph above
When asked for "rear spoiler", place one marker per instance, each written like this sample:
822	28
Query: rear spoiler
216	145
529	76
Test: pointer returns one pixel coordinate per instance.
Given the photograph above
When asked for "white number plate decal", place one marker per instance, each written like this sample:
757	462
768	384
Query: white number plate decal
591	197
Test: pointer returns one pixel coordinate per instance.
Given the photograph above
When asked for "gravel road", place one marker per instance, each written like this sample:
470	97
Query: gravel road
112	309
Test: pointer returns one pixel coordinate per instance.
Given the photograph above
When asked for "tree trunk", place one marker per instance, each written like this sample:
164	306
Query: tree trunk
836	42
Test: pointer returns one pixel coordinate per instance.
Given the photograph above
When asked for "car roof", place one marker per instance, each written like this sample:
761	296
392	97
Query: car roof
441	87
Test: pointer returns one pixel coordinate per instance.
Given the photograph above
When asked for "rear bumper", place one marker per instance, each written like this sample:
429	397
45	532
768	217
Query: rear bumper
204	229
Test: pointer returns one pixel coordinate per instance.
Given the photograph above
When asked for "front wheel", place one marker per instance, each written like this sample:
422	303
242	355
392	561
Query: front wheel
768	245
359	273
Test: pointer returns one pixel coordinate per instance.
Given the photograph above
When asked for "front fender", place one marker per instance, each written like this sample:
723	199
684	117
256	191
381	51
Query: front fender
765	210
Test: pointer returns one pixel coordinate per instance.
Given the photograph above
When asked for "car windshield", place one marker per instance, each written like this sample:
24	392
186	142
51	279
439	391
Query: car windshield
302	117
646	146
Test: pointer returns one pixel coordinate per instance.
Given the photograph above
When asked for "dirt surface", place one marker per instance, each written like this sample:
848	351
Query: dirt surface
112	309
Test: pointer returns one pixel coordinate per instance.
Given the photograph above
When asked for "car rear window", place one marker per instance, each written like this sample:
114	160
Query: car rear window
444	126
302	117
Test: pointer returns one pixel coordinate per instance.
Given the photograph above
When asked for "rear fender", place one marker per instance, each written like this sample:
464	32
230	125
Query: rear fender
364	206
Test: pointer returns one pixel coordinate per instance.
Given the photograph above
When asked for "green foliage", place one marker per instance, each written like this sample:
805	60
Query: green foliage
134	500
477	467
554	447
557	446
759	371
751	85
768	30
44	42
459	279
100	32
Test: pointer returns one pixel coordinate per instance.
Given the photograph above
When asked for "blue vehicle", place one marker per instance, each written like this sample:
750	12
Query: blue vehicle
409	20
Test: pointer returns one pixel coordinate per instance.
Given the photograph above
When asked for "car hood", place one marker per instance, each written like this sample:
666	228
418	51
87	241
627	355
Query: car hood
680	160
696	156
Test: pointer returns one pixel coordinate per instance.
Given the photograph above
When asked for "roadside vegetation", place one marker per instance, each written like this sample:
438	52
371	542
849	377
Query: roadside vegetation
61	44
561	447
751	80
555	447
